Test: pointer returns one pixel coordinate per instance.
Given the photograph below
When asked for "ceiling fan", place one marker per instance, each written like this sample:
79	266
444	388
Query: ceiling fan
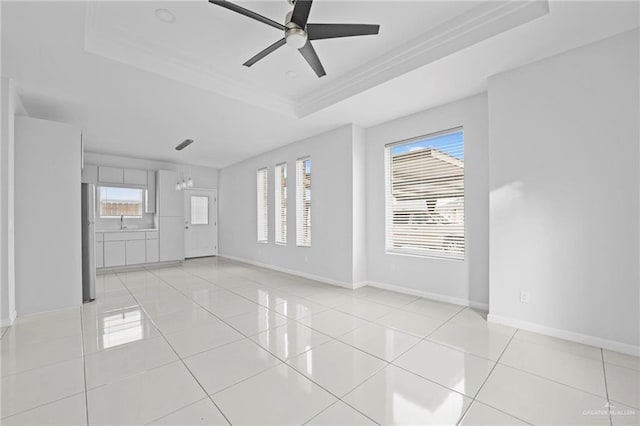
298	33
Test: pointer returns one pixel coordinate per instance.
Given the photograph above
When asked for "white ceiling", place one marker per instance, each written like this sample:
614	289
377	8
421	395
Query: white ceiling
126	106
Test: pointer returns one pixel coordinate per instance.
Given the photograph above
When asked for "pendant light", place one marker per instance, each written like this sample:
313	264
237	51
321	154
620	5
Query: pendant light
188	181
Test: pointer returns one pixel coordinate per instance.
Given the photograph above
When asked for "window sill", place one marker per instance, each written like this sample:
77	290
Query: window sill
427	255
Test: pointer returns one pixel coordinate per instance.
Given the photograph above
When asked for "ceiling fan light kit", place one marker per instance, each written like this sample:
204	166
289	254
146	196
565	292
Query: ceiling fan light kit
298	33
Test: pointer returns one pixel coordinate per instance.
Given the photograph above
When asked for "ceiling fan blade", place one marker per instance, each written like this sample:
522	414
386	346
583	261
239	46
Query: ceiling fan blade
265	52
246	12
324	31
309	53
301	11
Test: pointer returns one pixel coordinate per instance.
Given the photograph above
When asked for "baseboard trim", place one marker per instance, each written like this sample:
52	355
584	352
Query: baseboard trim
140	267
6	322
567	335
427	295
331	281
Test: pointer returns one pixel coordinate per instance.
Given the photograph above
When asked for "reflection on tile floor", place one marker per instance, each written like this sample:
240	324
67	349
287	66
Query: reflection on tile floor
219	342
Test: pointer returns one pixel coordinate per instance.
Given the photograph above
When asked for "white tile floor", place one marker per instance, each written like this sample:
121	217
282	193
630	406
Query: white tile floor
217	342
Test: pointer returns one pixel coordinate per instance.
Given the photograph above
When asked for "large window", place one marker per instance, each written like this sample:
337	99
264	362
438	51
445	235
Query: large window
114	202
281	204
425	195
263	211
303	202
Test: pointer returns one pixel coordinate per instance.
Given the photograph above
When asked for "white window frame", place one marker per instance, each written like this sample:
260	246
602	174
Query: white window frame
450	251
117	217
262	206
301	241
281	203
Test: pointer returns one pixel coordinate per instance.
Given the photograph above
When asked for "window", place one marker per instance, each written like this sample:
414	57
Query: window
425	195
115	202
281	204
199	210
263	212
303	202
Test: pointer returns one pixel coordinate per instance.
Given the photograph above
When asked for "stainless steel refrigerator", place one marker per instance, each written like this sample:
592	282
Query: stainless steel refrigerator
88	242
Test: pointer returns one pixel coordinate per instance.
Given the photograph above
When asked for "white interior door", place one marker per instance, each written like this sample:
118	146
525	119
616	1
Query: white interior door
201	223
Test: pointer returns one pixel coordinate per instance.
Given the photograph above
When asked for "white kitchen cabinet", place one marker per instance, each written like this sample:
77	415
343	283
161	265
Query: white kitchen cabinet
135	252
110	174
99	254
135	177
153	251
89	173
114	253
150	205
170	201
171	233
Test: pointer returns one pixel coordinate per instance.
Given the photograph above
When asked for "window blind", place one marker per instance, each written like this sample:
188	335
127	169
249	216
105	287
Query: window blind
262	210
425	195
303	202
281	203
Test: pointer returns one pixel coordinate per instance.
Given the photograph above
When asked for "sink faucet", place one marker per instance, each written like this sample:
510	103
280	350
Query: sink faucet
122	222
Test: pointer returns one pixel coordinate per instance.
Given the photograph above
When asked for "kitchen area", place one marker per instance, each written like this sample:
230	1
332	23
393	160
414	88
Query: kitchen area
142	217
77	214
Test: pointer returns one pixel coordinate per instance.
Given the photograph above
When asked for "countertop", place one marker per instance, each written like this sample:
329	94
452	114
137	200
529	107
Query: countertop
126	230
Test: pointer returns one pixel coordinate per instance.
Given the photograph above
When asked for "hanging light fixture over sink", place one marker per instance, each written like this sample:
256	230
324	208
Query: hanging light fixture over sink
187	180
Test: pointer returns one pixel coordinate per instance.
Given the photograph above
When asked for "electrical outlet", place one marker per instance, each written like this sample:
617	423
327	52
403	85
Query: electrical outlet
524	296
306	258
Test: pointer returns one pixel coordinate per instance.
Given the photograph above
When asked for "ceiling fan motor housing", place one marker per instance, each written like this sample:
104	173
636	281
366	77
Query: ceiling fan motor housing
294	35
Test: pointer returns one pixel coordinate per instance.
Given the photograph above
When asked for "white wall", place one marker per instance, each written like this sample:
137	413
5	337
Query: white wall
10	104
330	254
359	189
48	249
565	187
461	282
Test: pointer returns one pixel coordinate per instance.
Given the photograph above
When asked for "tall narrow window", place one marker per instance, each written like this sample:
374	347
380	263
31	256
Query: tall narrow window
303	202
263	210
281	204
425	195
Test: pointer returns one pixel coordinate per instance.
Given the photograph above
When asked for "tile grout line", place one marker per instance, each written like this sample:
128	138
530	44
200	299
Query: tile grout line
475	397
84	366
178	356
606	387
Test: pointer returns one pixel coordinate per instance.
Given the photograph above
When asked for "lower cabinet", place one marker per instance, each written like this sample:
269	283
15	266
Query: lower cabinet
135	253
114	253
127	248
99	254
171	230
152	251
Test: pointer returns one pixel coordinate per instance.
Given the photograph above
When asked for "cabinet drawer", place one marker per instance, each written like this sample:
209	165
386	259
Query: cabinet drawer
123	236
152	235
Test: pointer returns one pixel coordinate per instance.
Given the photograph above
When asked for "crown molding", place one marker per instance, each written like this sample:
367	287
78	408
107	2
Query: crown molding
478	24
